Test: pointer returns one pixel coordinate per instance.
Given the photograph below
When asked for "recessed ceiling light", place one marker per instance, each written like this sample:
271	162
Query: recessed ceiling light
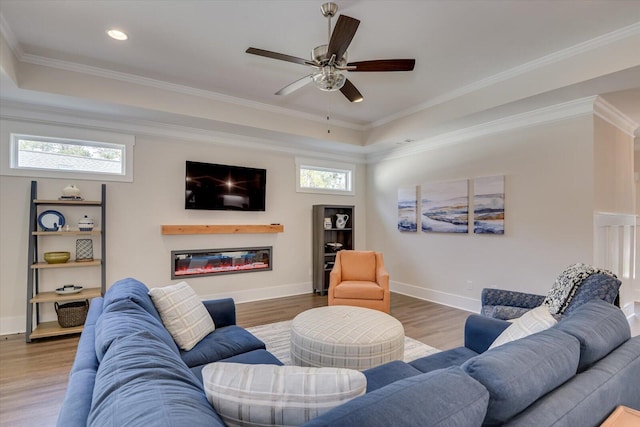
117	35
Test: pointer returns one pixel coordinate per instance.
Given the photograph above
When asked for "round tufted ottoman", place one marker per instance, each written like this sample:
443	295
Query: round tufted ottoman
345	337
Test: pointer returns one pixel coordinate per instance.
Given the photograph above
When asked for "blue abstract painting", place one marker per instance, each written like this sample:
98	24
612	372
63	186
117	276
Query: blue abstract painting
445	207
407	205
488	205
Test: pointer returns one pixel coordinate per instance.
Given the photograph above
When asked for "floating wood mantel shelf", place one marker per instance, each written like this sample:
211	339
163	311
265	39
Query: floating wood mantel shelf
222	229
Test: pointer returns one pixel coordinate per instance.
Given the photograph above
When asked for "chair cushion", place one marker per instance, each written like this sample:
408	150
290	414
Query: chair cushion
533	321
140	382
447	397
358	265
598	286
503	312
221	344
262	395
567	284
600	327
518	373
183	314
352	289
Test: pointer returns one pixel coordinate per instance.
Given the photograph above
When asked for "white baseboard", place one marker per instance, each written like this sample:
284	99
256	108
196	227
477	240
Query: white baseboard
439	297
250	295
12	325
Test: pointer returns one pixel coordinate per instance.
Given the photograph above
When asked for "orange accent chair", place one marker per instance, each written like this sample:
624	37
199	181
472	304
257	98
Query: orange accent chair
359	278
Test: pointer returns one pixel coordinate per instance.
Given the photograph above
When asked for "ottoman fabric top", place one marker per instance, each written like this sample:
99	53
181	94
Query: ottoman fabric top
346	336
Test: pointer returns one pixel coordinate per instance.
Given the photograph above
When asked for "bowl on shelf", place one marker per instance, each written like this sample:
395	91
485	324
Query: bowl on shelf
57	257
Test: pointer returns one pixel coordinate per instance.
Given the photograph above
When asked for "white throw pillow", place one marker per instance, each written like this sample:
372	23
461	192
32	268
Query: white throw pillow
183	314
532	321
260	395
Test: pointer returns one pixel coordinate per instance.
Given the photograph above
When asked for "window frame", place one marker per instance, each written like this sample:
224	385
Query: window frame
323	165
17	131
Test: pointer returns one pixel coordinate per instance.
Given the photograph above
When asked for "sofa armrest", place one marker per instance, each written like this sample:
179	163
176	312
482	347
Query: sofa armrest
481	331
222	311
491	296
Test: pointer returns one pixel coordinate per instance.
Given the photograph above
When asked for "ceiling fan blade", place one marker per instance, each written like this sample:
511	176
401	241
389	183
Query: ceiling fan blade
295	85
350	91
384	65
343	33
280	56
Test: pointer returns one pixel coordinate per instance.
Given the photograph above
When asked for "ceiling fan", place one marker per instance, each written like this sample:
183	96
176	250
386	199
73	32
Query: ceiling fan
330	60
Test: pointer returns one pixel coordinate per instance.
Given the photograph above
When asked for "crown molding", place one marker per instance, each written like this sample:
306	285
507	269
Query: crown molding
554	113
67	117
10	37
177	88
319	149
615	117
561	55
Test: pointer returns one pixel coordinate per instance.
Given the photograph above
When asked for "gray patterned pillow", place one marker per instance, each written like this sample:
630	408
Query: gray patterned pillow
262	395
183	314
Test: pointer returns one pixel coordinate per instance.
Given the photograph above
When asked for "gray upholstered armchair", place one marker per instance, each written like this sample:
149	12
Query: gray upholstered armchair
503	304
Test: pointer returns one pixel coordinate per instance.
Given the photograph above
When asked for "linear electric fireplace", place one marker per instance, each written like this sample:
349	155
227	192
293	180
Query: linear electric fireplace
208	262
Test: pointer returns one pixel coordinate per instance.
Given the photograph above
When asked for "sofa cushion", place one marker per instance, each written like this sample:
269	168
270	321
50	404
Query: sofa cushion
183	314
221	344
599	326
255	357
259	395
533	321
383	375
133	290
443	359
592	395
141	382
447	397
518	373
125	317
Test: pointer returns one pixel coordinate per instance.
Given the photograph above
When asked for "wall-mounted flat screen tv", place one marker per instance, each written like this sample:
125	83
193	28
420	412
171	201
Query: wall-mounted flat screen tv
222	187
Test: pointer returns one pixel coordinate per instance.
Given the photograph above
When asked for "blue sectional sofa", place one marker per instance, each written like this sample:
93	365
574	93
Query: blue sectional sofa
129	371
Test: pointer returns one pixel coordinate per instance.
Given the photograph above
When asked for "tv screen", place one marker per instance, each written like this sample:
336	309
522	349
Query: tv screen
222	187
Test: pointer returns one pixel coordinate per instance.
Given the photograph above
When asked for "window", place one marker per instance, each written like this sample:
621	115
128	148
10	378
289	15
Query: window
315	176
36	152
55	152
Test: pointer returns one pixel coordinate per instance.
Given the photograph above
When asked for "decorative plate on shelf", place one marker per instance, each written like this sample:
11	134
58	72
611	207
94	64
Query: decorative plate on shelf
69	289
50	220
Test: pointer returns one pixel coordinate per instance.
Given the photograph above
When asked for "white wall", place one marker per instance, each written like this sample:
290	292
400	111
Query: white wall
548	208
135	212
613	169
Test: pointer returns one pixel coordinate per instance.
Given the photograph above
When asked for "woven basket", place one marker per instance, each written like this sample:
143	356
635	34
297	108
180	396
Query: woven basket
72	313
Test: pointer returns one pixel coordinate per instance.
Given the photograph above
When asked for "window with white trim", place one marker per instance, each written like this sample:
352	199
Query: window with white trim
315	176
39	152
46	151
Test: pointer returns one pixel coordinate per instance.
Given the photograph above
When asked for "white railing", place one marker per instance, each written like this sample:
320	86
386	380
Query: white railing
615	248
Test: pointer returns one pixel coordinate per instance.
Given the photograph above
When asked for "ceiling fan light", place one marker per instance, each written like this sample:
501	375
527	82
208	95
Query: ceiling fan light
329	79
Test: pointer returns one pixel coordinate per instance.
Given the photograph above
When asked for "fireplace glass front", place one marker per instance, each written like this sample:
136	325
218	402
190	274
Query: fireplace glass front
208	262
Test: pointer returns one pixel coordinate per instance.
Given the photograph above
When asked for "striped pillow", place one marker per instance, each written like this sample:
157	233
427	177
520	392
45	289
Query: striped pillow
261	395
532	321
183	314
